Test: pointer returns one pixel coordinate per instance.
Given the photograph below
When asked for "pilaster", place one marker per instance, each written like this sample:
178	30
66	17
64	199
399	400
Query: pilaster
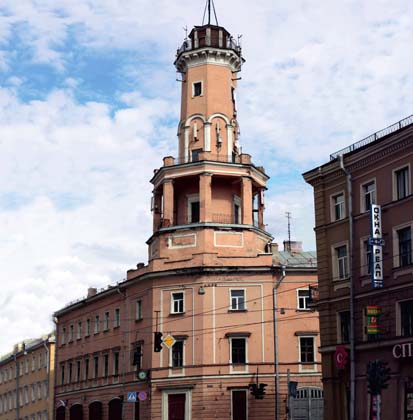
205	197
168	201
246	201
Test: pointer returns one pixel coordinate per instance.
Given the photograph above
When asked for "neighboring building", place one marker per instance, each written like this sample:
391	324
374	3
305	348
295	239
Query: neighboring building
210	282
27	381
380	169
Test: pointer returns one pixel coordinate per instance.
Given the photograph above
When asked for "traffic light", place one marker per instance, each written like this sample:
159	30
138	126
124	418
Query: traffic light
258	391
254	390
157	342
261	391
377	376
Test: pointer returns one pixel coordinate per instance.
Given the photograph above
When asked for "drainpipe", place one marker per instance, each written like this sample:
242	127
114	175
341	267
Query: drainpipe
123	348
275	311
352	321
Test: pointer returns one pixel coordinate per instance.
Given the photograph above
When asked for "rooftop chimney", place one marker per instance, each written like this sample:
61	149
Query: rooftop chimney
294	247
91	291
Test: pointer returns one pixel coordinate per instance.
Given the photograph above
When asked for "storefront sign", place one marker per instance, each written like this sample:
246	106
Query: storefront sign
340	357
376	242
401	351
373	319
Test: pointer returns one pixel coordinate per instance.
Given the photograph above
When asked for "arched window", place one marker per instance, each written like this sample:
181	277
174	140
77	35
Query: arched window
115	409
76	412
95	410
61	413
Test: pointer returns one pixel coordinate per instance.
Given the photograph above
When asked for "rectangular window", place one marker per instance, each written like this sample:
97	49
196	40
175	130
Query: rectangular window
139	309
39	391
344	327
62	374
178	354
33	393
237	210
62	339
402	182
303	299
71	333
367	258
86	368
95	366
341	262
237	300
197	89
78	371
106	321
404	237
307	354
177	303
87	333
70	372
238	350
33	362
369	195
105	365
338	207
96	324
406	318
137	356
194	212
79	330
195	154
116	363
116	321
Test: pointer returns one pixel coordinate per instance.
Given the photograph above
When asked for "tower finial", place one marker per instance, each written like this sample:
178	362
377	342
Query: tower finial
208	9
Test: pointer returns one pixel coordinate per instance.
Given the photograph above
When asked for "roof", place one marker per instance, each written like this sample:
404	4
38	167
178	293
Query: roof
304	259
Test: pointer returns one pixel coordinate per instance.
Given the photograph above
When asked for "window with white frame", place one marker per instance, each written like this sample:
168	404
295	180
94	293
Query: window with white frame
367	261
62	374
96	367
401	183
116	363
338	207
105	365
138	314
238	350
39	391
116	321
177	302
70	373
368	195
97	326
87	332
303	299
178	354
307	349
78	371
63	337
237	300
106	321
79	330
71	333
33	362
340	262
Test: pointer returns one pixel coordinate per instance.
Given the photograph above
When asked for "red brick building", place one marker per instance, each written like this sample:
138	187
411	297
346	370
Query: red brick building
376	170
215	283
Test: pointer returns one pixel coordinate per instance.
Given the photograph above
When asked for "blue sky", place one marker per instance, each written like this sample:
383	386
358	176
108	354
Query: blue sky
89	105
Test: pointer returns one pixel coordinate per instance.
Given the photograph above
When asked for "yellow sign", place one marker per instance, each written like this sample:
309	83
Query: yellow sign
169	341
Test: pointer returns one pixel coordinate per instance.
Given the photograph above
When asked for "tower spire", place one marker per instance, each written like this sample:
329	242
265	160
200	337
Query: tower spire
208	10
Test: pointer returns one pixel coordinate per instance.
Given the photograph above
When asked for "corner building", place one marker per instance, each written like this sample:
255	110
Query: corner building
210	282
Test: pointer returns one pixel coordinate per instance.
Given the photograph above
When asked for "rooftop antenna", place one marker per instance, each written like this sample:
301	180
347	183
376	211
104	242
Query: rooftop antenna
208	8
288	216
186	31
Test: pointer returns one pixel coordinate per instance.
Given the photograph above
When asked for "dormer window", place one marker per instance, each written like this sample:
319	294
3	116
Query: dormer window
197	89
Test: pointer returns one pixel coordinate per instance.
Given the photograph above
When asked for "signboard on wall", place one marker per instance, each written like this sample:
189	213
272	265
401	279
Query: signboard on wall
376	243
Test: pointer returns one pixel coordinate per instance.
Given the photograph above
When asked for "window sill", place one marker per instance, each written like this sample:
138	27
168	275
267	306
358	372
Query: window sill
116	327
176	313
237	310
304	310
138	319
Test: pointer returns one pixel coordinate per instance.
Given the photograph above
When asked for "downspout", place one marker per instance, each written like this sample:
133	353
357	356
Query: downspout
352	323
276	361
123	347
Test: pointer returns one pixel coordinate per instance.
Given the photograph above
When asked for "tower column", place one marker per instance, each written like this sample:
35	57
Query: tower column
156	208
186	144
261	209
229	142
205	197
168	202
246	201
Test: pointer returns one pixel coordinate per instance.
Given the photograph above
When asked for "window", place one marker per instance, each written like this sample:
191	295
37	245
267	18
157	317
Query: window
195	154
402	185
368	195
71	333
338	210
116	363
87	333
33	362
39	391
139	309
193	208
62	374
237	210
96	324
86	368
33	393
178	354
197	89
137	356
40	361
238	350
78	371
79	330
105	365
340	263
116	321
106	322
344	327
406	318
27	360
404	237
95	366
237	300
177	303
70	372
303	299
307	354
367	261
45	389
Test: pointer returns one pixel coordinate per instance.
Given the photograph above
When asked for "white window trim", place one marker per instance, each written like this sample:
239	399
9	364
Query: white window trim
230	299
177	371
232	400
305	366
332	206
96	326
106	321
188	402
79	330
395	236
298	299
193	88
394	183
191	198
362	195
398	316
231	369
172	302
116	321
334	266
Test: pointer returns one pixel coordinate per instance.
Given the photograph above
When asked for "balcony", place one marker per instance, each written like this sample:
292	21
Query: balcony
243	158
